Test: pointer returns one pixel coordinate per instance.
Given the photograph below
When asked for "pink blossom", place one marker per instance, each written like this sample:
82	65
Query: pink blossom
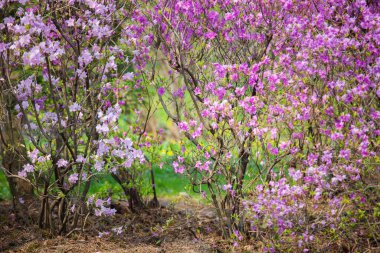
80	159
161	91
227	187
28	168
74	107
22	173
62	163
33	155
183	126
73	178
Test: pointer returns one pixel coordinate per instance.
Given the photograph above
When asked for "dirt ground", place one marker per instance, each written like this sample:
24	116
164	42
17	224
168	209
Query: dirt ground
183	226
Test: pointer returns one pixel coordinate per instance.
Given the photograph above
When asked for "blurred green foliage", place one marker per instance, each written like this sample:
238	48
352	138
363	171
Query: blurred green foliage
168	184
4	187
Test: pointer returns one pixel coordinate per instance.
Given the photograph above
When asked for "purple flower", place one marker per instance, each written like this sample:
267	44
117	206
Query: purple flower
90	200
102	149
183	127
28	168
161	91
80	159
62	163
295	174
70	22
109	211
33	155
24	104
128	76
101	234
210	35
99	165
177	168
85	58
272	150
22	173
345	153
227	187
21	200
74	107
73	178
99	203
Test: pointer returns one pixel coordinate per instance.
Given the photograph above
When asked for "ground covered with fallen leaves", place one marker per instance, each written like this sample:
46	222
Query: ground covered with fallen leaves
181	225
176	226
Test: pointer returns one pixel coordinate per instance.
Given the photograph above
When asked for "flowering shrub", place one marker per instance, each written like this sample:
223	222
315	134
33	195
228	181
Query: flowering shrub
279	98
63	62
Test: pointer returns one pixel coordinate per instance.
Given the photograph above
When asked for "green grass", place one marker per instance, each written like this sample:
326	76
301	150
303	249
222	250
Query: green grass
168	184
5	192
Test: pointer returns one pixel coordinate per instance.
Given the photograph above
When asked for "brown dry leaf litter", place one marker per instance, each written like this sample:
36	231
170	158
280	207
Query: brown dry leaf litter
183	226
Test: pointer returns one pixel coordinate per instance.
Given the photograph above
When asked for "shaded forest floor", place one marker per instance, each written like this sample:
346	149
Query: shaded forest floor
182	226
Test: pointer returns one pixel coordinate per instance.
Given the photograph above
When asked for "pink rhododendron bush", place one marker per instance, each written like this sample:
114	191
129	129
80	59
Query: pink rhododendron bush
277	101
281	102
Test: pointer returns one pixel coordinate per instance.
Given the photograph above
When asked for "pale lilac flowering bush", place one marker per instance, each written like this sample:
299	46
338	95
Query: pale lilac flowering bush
64	64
